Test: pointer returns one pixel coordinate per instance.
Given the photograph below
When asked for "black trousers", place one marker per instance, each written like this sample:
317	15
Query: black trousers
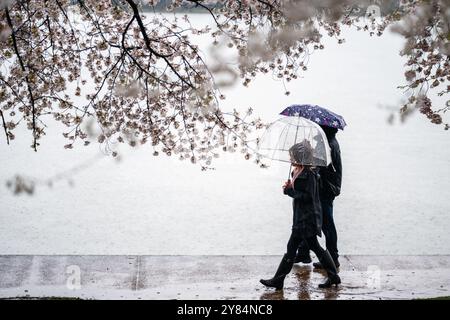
312	243
329	230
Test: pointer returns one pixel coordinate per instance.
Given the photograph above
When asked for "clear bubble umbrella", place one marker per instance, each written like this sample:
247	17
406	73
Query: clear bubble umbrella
312	145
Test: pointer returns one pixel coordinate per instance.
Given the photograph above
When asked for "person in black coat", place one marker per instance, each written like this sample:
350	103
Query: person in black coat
330	188
307	218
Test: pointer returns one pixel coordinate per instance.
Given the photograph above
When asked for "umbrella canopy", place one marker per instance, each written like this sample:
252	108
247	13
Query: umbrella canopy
311	143
317	114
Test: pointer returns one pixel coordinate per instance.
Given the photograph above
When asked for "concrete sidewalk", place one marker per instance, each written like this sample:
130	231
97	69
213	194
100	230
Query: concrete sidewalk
218	277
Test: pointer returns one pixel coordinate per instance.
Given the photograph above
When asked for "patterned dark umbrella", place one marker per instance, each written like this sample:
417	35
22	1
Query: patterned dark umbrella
316	114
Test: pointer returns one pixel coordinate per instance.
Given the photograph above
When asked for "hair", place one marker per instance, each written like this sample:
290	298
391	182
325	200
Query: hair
329	131
305	150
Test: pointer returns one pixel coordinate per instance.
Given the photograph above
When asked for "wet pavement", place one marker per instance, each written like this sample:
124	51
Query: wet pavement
218	277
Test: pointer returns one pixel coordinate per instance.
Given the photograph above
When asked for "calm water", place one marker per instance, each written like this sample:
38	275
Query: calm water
394	200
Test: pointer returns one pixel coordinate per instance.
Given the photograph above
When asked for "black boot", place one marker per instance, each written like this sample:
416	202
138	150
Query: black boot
318	265
329	266
283	270
303	257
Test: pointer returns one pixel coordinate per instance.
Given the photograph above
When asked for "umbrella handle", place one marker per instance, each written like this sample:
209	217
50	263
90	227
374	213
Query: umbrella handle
289	173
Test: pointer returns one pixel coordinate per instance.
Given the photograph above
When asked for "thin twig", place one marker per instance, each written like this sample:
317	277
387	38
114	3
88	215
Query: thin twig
4	126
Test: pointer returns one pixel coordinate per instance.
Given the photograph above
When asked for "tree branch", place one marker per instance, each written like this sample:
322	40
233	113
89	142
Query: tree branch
148	43
30	92
4	126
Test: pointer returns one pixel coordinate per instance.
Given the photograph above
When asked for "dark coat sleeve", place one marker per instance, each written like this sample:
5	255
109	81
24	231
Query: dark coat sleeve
331	177
337	162
299	191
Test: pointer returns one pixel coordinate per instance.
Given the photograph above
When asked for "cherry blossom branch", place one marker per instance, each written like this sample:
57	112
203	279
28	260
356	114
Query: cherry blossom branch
30	92
147	40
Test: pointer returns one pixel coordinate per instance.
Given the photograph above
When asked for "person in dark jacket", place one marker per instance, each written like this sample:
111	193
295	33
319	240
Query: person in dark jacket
330	188
307	219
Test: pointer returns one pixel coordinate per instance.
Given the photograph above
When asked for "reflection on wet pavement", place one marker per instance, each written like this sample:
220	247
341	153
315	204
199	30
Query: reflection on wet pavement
303	275
219	277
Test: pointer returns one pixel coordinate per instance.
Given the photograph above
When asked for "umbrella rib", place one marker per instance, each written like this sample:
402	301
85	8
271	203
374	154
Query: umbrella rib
278	141
296	130
295	141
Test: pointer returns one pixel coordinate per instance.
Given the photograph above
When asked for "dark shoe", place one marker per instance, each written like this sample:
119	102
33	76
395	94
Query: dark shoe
318	265
275	282
283	270
303	258
327	263
330	282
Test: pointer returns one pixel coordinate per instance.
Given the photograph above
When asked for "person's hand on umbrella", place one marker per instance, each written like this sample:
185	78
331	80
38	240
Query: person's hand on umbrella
287	184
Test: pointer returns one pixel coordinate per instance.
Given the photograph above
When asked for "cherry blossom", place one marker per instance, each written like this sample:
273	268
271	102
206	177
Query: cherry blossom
144	80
